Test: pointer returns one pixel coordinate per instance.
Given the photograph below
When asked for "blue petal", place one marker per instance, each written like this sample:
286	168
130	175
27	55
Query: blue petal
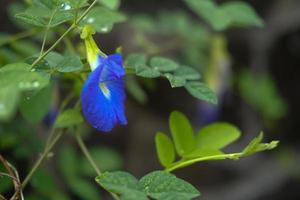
103	95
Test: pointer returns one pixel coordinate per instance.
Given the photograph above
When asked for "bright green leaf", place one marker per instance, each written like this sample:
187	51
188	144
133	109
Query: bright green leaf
165	149
201	91
182	133
217	135
255	145
68	118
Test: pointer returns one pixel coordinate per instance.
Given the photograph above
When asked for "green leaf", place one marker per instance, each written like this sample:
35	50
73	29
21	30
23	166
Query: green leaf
68	118
84	189
241	14
217	135
162	185
9	98
15	78
111	4
182	133
20	76
103	19
175	81
35	108
31	19
201	91
272	106
231	14
121	183
46	13
165	149
188	73
146	72
69	63
134	60
53	59
255	145
163	64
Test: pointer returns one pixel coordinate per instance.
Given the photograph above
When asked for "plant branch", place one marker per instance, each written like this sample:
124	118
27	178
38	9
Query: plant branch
183	163
39	161
71	28
90	159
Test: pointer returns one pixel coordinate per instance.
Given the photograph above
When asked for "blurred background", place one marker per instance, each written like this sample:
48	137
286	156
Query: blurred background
254	72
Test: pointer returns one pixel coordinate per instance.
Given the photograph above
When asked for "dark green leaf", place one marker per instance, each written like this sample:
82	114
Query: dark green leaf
147	72
69	63
182	133
217	135
188	73
68	118
201	91
162	185
163	64
36	107
175	81
135	59
122	183
9	98
165	149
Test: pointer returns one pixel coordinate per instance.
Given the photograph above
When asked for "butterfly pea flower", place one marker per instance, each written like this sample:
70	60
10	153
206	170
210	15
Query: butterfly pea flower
103	93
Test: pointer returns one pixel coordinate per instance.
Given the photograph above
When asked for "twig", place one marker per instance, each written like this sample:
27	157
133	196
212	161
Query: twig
71	28
90	159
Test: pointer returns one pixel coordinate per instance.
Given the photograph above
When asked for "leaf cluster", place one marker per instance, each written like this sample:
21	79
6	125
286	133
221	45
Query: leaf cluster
206	144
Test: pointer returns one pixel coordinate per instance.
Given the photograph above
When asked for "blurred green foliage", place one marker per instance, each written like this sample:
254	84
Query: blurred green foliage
43	67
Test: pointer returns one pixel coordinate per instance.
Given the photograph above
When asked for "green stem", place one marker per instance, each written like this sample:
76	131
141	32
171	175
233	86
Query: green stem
39	162
183	163
46	32
71	28
90	159
42	158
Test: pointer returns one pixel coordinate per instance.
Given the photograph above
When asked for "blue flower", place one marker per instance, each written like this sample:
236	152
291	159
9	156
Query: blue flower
103	94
